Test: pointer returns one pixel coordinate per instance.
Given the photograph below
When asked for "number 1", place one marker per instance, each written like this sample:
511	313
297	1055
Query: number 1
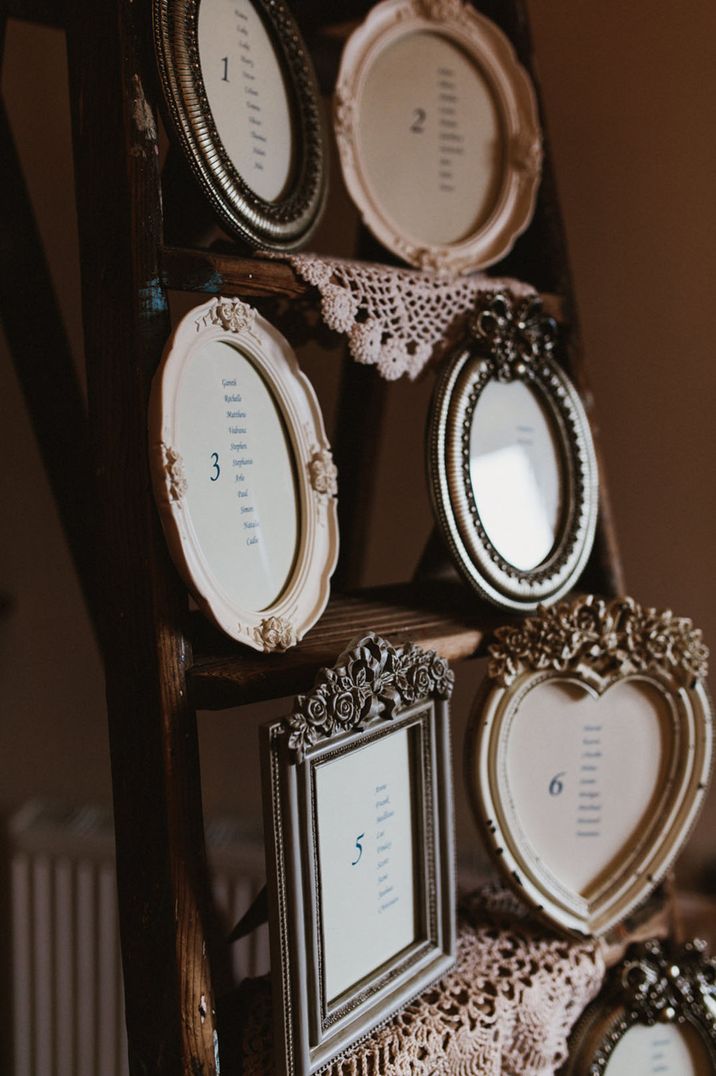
225	76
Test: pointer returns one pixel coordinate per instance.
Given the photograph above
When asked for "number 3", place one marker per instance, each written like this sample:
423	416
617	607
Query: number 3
359	846
215	465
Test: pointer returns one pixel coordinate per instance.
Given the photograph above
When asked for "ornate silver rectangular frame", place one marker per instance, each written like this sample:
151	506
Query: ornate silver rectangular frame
373	694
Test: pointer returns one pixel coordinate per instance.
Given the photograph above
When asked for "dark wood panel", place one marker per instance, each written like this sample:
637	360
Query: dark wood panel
47	12
438	616
41	355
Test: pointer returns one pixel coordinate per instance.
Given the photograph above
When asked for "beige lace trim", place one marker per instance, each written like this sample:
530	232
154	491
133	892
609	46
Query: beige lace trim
395	319
506	1009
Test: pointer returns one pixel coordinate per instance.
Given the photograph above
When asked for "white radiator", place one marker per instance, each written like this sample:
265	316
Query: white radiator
66	988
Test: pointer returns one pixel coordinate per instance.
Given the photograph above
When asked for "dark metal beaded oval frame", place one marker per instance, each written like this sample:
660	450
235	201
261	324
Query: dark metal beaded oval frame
288	222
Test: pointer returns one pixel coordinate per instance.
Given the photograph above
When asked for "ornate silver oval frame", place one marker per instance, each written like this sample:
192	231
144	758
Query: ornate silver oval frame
658	984
515	98
283	623
374	692
589	646
510	339
286	223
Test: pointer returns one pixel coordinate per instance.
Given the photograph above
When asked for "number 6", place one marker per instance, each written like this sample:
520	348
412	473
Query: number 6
556	787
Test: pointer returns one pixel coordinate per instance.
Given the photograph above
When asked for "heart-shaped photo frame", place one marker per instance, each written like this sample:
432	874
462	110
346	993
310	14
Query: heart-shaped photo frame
589	753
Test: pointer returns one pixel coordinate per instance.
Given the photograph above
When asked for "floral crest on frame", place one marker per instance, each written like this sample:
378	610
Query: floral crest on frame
370	679
619	636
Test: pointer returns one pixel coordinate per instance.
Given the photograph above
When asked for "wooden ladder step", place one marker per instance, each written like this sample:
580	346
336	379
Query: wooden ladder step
437	616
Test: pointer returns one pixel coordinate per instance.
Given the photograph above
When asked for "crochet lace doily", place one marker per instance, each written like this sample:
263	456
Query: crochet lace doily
395	319
506	1008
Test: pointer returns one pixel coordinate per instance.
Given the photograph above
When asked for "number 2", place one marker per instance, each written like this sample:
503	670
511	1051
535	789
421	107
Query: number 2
556	787
359	846
225	62
215	465
419	118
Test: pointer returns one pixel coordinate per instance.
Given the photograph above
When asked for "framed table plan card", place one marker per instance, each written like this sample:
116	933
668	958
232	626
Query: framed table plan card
358	820
511	464
656	1014
242	101
243	475
438	132
588	756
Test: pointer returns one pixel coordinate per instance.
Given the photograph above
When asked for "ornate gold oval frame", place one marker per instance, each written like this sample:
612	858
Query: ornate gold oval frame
510	339
512	89
304	598
288	222
593	645
657	983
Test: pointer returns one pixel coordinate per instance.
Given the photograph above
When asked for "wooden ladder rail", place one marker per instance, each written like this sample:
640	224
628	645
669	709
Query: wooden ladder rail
161	862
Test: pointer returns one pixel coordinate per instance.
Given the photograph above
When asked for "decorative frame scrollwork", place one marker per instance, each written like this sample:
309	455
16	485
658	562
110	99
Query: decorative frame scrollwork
284	224
516	102
510	339
282	624
593	645
373	691
658	983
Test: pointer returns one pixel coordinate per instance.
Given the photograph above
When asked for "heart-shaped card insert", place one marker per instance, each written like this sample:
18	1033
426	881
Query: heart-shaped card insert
584	774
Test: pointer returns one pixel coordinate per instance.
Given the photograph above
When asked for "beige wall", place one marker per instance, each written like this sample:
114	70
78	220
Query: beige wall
630	93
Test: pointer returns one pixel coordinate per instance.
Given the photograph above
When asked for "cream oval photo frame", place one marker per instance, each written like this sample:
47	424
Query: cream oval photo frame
473	66
589	754
224	367
508	353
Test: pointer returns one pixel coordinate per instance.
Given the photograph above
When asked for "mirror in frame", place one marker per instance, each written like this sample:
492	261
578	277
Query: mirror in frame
511	464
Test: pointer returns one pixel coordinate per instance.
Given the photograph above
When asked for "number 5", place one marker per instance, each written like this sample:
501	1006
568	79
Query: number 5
359	846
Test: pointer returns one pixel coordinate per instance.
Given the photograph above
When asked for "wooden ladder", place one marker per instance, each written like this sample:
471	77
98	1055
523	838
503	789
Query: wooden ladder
163	663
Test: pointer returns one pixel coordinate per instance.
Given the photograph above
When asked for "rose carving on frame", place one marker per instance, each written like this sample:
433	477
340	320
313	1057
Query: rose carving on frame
323	472
233	315
372	679
612	637
174	471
